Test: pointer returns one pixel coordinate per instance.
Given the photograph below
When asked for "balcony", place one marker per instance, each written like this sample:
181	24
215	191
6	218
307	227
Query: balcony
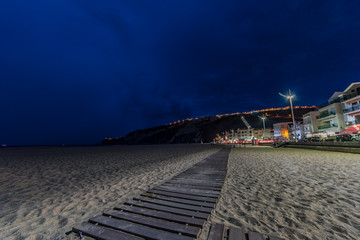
352	109
325	114
329	125
350	96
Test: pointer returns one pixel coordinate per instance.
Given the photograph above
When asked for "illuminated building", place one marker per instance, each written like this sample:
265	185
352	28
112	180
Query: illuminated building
331	117
311	123
281	130
350	99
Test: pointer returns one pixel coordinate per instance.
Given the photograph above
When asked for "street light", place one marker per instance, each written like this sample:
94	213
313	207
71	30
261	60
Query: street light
290	97
263	119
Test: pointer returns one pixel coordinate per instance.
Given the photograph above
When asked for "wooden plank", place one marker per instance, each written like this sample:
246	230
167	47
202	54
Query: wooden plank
197	183
256	236
216	180
236	234
137	229
179	200
163	215
175	205
169	209
216	232
156	223
195	192
102	233
200	176
184	196
199	186
200	181
185	186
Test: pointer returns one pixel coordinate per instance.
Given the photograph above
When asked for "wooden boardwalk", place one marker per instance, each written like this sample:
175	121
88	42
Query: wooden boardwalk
177	209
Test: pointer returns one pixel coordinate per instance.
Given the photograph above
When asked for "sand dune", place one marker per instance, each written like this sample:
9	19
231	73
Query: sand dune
44	192
292	193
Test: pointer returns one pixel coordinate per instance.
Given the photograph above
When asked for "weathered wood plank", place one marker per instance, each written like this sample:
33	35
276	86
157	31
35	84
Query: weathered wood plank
137	229
102	233
195	192
199	177
200	180
197	183
236	234
185	186
175	205
216	180
163	215
216	232
169	209
179	200
256	236
156	223
184	196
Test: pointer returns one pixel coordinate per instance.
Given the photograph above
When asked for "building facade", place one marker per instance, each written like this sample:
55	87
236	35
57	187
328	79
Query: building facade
281	130
299	131
331	118
350	99
311	123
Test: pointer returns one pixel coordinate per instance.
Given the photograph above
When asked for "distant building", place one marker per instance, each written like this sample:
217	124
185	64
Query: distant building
299	131
331	117
350	100
281	130
245	133
260	133
311	123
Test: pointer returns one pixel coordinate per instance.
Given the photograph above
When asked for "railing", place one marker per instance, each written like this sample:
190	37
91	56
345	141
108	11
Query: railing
349	96
356	108
325	114
330	125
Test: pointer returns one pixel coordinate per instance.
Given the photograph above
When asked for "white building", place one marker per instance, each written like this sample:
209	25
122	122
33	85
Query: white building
311	123
281	130
331	117
299	131
350	99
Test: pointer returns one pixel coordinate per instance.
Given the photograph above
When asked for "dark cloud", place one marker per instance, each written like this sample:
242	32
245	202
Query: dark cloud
76	71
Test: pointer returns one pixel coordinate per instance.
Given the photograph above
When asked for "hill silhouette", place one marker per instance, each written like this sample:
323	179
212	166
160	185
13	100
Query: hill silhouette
206	128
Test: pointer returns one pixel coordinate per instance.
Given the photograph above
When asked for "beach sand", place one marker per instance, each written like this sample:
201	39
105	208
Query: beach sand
292	193
44	192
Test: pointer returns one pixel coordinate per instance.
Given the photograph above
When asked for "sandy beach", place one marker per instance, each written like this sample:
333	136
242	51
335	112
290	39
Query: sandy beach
290	193
44	192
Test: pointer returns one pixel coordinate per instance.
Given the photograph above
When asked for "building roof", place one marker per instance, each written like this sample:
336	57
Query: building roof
351	85
335	95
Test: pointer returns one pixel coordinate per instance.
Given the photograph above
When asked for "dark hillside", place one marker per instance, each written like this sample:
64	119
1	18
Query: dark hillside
195	130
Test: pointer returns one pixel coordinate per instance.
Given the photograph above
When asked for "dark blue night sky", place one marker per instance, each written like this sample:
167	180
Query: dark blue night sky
76	71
